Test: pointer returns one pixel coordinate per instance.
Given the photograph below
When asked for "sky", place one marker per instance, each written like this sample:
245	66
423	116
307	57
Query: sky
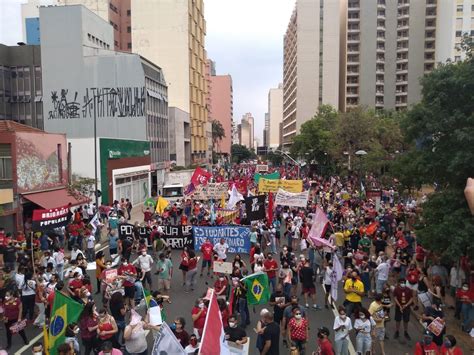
244	38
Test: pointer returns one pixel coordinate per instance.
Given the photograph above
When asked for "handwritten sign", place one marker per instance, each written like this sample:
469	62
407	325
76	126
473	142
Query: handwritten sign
436	326
110	275
213	190
178	237
267	185
223	267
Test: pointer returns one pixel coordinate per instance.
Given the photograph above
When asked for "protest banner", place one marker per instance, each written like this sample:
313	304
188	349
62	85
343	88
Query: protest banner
436	326
285	198
238	238
273	176
213	190
125	230
267	185
178	237
223	267
261	168
50	219
255	207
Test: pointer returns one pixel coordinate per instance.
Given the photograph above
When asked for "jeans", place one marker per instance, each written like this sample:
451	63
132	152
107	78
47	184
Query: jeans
351	307
39	321
244	312
273	245
363	343
89	345
9	333
147	278
28	306
379	284
191	279
341	347
300	345
272	281
467	316
138	292
60	271
287	289
90	254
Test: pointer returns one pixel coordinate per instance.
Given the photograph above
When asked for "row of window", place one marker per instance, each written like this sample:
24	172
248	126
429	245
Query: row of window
97	41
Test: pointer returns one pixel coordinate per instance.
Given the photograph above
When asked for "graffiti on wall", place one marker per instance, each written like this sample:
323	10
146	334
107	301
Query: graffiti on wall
107	102
39	163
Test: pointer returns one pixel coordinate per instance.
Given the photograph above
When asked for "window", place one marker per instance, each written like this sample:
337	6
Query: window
5	168
129	29
459	8
129	12
129	45
458	33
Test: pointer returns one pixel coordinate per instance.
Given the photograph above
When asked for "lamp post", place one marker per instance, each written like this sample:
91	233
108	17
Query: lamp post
293	160
360	153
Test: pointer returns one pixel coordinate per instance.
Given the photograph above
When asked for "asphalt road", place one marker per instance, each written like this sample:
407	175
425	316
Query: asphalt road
182	304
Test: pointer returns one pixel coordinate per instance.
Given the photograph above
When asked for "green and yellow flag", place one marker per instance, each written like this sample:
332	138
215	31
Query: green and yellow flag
161	204
65	311
258	289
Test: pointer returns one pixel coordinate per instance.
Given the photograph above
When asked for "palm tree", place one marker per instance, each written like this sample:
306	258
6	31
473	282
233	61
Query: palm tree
218	132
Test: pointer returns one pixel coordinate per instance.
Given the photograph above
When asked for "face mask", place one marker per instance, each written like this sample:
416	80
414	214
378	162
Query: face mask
298	316
447	344
221	279
108	266
125	263
201	305
285	249
402	285
353	278
76	331
427	341
465	288
232	324
7	298
362	316
144	253
88	294
173	326
38	353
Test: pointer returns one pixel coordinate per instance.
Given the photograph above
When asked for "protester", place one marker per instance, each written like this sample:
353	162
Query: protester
297	330
342	327
324	344
271	336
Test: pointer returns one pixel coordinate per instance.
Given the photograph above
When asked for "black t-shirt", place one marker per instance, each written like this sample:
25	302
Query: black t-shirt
277	311
235	334
379	245
272	333
9	254
115	308
307	274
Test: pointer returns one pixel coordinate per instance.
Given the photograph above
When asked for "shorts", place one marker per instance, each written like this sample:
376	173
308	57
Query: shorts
405	315
327	288
379	333
183	267
308	290
164	284
129	291
206	262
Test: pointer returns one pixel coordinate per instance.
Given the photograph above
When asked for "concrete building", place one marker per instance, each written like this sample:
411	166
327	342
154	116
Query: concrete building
172	33
266	130
116	12
220	105
275	117
120	98
21	92
389	46
180	136
235	134
310	62
245	131
33	174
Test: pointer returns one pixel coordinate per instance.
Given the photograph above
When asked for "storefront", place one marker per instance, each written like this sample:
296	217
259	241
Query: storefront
132	183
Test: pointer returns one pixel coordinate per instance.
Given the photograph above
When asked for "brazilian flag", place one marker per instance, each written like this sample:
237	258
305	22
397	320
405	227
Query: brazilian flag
258	288
65	311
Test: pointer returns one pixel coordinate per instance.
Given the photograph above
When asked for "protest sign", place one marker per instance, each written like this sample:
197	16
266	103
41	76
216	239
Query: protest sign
273	176
110	275
255	207
50	219
223	267
213	190
267	185
294	186
285	198
261	168
436	326
238	238
178	237
125	230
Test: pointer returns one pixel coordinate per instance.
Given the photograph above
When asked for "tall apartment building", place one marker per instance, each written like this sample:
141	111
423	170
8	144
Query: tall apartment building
220	105
275	116
115	12
171	33
266	130
310	62
389	46
247	123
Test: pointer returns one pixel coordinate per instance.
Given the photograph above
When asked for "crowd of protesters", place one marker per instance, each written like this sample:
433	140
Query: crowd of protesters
387	275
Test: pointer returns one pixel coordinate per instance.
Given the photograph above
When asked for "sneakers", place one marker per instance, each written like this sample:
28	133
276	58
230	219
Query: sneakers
407	336
397	335
306	305
316	307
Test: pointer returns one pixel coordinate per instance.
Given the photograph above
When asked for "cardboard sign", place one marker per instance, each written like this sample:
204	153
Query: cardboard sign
436	326
261	168
223	267
213	190
110	275
266	185
285	198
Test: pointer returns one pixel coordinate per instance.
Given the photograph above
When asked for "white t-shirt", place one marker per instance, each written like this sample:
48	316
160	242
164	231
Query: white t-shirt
145	262
58	257
220	249
340	334
27	288
77	269
383	271
327	276
90	242
364	325
74	254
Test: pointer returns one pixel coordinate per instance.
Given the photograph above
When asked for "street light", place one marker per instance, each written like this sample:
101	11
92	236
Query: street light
289	157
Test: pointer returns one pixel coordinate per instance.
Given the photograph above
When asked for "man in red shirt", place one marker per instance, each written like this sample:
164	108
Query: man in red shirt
325	346
403	300
206	249
466	297
426	346
128	272
271	267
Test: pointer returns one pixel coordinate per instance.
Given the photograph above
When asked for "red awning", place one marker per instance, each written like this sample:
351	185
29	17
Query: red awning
56	198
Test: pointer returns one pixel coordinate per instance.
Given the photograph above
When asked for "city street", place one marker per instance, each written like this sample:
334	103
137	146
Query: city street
182	304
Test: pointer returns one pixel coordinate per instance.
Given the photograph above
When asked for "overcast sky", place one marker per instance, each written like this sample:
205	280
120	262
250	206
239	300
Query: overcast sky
244	38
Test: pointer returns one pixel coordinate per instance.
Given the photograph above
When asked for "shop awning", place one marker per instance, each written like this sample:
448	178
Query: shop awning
55	198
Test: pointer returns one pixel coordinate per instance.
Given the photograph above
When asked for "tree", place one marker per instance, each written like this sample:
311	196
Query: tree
275	159
81	186
218	132
441	128
240	153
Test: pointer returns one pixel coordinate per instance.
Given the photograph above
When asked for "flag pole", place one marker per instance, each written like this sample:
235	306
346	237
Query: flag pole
207	318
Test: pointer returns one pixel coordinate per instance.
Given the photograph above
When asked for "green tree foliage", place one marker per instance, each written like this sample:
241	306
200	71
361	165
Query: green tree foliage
274	158
240	153
218	132
441	127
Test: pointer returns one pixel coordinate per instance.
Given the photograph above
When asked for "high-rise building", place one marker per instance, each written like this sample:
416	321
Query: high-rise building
389	46
111	105
116	12
310	62
171	34
266	130
275	116
220	105
245	131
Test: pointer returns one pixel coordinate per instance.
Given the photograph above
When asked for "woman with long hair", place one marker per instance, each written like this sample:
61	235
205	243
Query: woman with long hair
88	326
364	325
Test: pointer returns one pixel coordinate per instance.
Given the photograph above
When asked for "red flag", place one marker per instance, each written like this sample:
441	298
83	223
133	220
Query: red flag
200	176
316	233
213	338
372	228
270	208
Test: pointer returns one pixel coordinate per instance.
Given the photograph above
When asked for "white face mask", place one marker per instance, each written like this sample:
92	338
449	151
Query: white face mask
7	298
465	288
76	331
125	263
201	305
232	324
38	353
362	316
298	316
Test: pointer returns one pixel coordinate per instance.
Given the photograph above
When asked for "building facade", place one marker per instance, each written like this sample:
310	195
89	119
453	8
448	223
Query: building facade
220	105
180	137
110	104
21	92
245	131
172	34
275	117
310	62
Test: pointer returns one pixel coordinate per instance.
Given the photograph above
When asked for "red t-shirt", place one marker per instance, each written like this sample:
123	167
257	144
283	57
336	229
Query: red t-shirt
84	325
2	240
75	284
199	323
420	253
413	276
130	269
464	296
219	285
270	264
192	263
455	351
298	331
325	347
147	216
431	349
206	249
403	295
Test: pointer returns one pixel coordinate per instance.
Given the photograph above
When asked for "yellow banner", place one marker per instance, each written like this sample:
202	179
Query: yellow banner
266	185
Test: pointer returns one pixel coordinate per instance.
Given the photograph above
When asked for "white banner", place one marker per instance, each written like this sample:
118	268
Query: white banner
285	198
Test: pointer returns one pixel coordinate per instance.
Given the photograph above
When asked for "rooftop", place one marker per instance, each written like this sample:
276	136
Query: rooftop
12	126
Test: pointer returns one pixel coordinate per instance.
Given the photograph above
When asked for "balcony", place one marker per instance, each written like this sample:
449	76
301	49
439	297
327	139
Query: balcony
401	49
352	95
429	49
353	19
405	5
353	30
352	73
379	93
431	4
401	71
352	84
402	60
353	40
403	16
430	15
